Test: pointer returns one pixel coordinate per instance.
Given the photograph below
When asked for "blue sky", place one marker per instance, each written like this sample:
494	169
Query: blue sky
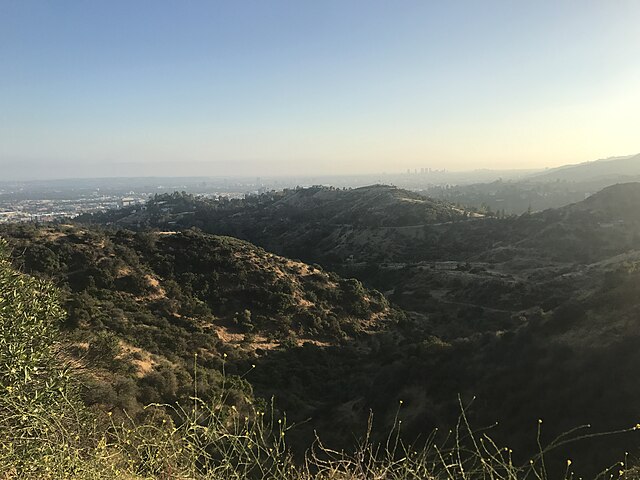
275	87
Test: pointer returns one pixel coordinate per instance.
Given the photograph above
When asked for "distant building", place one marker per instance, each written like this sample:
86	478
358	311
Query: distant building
127	202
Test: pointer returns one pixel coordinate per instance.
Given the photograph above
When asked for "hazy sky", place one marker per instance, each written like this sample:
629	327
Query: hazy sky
271	87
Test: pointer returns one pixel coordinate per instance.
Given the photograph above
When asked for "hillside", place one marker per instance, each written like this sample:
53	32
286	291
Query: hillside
421	267
612	204
384	224
612	168
543	301
535	316
500	264
553	188
604	225
49	434
372	206
141	305
312	224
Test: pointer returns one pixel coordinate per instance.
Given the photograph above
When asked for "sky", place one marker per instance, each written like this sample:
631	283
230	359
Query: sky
274	87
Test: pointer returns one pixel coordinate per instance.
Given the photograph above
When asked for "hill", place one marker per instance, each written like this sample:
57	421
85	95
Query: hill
615	203
553	188
534	315
372	206
48	434
405	261
491	303
611	168
308	223
141	305
604	225
501	263
338	228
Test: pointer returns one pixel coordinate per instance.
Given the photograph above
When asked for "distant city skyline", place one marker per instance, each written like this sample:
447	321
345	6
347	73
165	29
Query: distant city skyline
30	170
92	89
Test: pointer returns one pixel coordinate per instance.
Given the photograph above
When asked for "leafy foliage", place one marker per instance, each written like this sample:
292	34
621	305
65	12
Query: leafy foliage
42	425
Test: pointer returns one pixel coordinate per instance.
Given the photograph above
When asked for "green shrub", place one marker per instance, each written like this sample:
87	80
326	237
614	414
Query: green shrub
44	430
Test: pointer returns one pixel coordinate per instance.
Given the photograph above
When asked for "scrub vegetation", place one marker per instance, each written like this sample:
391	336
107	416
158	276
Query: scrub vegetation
157	350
